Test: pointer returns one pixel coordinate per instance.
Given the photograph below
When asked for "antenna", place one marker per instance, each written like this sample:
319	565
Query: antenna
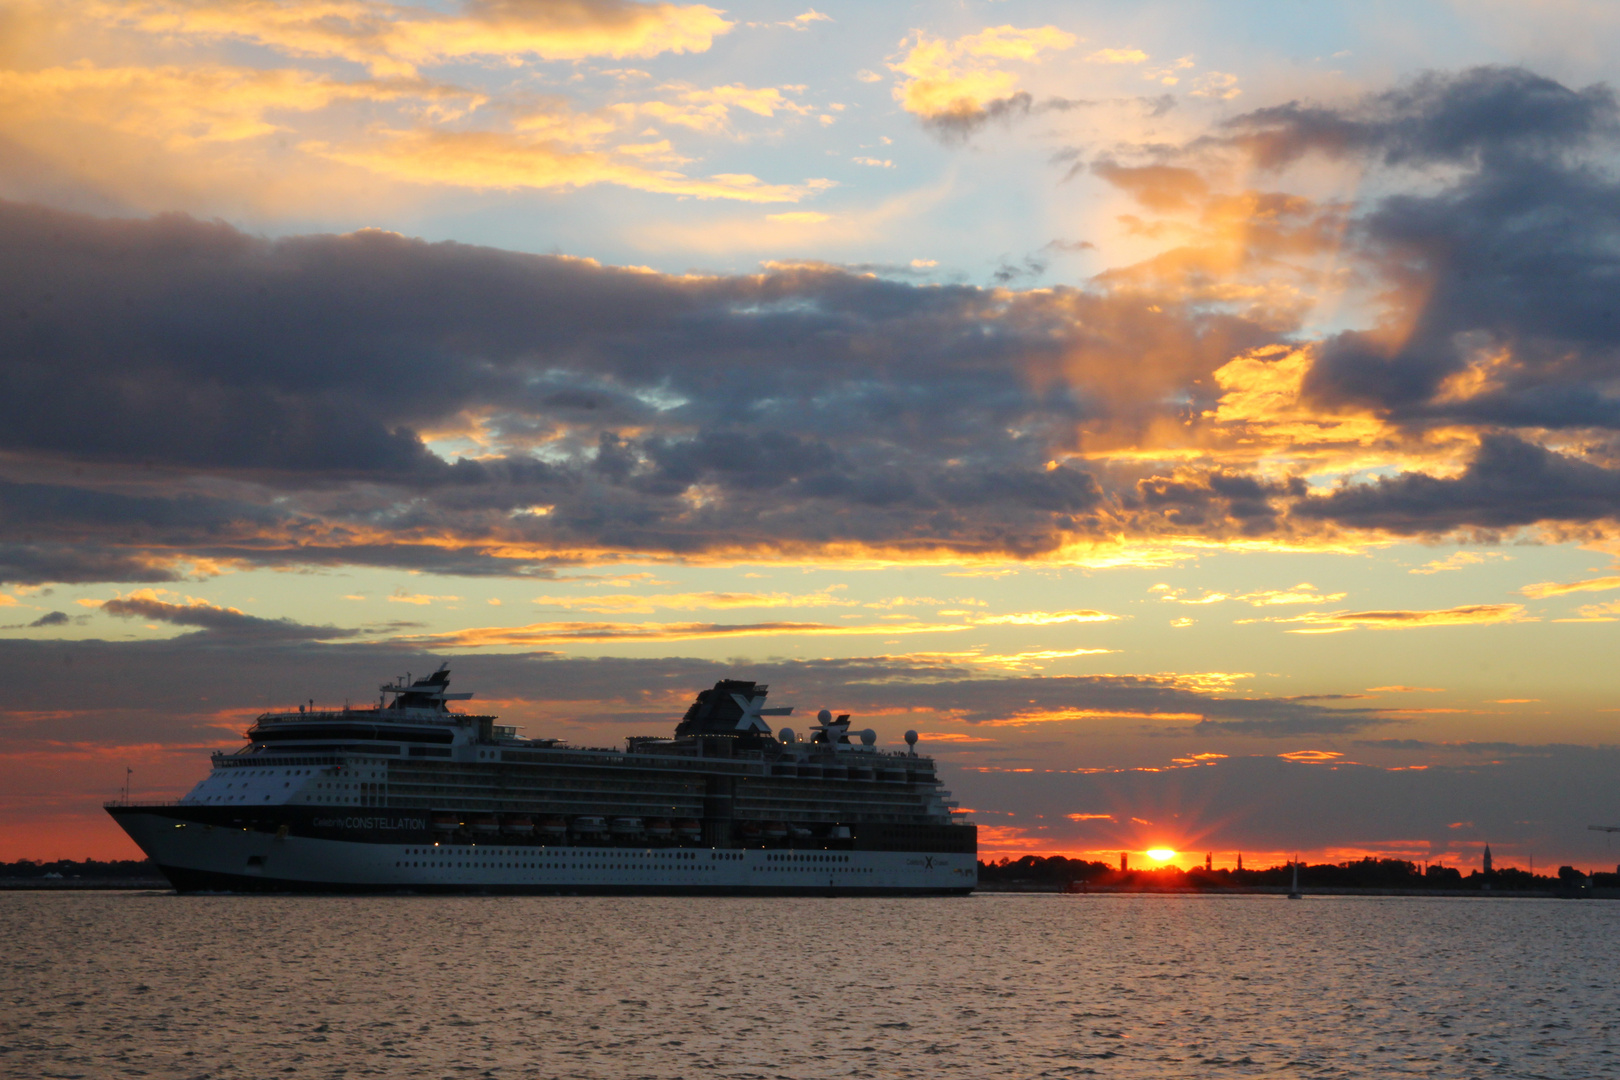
127	772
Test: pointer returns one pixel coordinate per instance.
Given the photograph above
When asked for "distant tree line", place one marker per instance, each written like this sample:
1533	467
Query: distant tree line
77	868
1367	873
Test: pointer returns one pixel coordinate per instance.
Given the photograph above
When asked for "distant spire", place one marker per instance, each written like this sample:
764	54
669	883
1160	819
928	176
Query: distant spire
1487	858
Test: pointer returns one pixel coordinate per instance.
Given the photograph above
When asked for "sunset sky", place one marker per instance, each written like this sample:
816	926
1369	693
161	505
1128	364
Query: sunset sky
1198	420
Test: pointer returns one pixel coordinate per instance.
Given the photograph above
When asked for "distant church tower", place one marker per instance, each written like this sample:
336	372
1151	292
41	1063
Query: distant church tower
1487	860
1240	860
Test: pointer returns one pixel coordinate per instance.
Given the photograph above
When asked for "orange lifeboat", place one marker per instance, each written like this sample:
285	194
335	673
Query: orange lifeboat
486	824
659	829
518	824
553	827
446	823
689	830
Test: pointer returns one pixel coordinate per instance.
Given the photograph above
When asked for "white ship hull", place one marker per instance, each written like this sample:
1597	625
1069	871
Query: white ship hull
204	857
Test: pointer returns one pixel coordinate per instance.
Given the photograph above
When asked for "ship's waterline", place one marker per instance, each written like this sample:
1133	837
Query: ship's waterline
411	796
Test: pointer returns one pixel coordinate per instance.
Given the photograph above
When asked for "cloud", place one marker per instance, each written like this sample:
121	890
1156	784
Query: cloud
956	87
1542	590
506	161
1509	482
1303	593
205	398
179	131
1437	118
396	39
53	618
556	633
1457	560
1472	615
1117	56
638	603
215	620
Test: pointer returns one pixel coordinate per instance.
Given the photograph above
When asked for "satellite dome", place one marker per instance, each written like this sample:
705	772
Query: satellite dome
824	716
911	738
868	737
787	735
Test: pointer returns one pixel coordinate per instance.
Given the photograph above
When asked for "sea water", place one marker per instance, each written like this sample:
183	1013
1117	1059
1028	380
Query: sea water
148	984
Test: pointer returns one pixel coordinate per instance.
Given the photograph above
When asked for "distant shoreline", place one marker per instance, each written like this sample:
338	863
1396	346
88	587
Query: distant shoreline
1052	889
1004	888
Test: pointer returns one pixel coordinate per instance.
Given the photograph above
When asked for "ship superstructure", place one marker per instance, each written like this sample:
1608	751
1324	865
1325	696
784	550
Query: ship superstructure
410	795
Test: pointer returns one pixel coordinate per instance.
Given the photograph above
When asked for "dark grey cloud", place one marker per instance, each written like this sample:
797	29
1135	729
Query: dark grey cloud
968	117
221	621
1509	483
197	392
1489	113
52	618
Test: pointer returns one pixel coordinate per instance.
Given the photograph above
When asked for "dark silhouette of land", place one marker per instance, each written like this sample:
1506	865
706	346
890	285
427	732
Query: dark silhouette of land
1032	873
81	874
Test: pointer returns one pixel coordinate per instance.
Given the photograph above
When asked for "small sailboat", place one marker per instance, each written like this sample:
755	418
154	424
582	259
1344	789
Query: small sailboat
1293	890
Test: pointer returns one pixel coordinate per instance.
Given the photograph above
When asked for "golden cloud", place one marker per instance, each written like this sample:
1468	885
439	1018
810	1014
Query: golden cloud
629	603
1595	613
959	78
1542	590
1472	615
397	38
1303	593
504	160
1043	618
560	633
180	107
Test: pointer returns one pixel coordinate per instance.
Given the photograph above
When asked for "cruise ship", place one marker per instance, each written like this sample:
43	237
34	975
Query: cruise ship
409	795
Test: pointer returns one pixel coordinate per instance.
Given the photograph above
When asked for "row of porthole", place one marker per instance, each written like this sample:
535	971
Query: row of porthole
807	858
812	869
595	854
409	865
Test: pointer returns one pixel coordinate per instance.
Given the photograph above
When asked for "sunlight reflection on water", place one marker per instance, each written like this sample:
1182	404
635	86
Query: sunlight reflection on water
126	984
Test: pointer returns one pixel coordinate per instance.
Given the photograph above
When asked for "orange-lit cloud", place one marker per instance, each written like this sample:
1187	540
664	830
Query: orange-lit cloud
1311	757
1544	589
961	81
1472	615
507	160
1457	560
643	604
564	632
1303	593
397	38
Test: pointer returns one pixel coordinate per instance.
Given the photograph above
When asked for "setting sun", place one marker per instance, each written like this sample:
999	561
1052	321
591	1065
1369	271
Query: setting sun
1161	854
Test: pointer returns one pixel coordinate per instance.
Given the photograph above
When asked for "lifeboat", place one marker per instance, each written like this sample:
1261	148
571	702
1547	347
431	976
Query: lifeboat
554	826
751	832
774	830
485	824
589	826
659	829
799	832
626	826
446	823
518	824
689	830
